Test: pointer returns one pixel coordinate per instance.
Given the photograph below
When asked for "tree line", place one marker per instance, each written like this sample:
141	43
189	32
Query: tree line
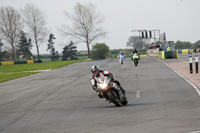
187	45
139	43
21	29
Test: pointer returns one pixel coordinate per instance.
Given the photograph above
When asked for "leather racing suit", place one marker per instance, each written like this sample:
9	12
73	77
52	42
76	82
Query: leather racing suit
100	77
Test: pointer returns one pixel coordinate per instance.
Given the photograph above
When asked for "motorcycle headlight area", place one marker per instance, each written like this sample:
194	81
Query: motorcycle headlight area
103	86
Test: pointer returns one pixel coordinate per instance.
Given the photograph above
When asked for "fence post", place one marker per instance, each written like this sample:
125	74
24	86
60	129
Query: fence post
190	62
196	62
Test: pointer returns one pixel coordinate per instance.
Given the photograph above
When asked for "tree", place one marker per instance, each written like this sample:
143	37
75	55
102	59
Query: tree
54	55
50	46
196	44
135	42
182	45
35	21
86	25
100	50
69	51
24	46
1	53
10	27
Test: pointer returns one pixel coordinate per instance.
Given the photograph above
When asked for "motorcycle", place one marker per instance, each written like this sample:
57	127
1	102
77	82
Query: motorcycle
112	92
135	59
121	58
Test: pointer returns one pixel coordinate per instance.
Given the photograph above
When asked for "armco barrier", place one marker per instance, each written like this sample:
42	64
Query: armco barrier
180	51
19	62
143	55
161	55
87	59
30	61
191	50
7	63
96	58
185	51
37	61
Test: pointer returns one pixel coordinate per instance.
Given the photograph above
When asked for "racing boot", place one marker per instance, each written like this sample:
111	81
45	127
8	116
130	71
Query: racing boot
100	94
122	89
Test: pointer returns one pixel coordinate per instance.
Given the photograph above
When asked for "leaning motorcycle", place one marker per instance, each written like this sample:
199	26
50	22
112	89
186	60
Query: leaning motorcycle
112	92
135	59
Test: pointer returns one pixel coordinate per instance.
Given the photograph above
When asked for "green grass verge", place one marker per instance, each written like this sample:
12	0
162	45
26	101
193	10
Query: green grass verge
14	75
36	66
16	71
47	59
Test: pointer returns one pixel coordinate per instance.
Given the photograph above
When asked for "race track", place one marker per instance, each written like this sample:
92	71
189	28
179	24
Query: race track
62	101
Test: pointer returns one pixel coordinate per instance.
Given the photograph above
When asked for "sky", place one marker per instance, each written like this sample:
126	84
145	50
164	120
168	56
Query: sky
178	19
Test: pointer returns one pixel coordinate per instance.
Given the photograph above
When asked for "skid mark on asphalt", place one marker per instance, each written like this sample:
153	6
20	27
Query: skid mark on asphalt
23	93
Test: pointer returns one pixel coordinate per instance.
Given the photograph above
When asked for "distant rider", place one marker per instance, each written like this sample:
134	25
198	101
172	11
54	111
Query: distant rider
99	75
122	56
133	52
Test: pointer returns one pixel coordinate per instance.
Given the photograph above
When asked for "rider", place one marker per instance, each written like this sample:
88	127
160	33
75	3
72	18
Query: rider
121	55
99	75
133	52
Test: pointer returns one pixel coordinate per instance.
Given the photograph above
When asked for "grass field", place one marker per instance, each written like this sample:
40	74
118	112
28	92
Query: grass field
60	58
20	70
14	75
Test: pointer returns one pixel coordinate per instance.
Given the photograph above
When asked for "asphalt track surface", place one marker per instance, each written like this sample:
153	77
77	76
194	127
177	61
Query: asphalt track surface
62	101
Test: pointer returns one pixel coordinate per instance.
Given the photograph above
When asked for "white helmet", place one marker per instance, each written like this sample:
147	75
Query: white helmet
94	69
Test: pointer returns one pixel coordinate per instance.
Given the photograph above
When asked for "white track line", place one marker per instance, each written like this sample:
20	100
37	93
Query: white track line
124	66
195	87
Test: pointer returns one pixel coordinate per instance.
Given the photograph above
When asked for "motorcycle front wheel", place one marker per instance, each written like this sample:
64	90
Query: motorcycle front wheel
114	98
135	62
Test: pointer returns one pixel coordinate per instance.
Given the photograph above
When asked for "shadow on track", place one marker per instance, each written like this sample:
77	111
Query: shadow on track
128	105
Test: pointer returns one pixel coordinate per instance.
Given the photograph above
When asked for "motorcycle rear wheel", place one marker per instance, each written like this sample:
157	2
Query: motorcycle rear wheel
125	101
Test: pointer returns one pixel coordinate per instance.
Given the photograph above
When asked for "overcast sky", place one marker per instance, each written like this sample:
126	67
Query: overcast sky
179	19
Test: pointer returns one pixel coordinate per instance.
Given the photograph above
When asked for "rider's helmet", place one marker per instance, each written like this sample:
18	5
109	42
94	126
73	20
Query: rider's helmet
95	70
121	53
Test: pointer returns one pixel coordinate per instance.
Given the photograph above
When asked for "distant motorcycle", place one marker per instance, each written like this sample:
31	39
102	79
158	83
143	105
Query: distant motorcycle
112	93
135	59
121	58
